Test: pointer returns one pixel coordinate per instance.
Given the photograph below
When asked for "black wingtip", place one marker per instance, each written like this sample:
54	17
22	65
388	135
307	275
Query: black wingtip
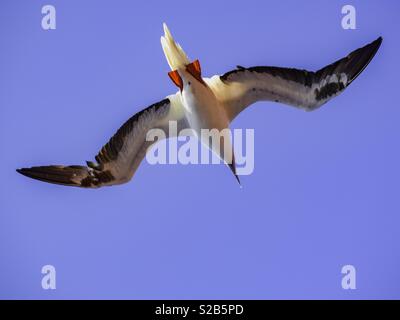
376	43
379	42
22	171
26	172
359	59
52	174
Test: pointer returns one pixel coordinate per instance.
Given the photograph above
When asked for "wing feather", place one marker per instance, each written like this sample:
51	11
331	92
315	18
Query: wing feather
308	90
118	159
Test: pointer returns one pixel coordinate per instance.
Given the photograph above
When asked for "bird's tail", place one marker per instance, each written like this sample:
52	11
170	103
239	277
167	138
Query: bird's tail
174	53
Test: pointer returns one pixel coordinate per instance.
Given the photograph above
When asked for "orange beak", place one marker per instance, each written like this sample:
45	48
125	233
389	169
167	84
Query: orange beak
176	78
195	70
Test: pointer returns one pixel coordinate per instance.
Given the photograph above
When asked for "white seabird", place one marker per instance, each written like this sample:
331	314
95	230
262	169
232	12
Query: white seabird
206	103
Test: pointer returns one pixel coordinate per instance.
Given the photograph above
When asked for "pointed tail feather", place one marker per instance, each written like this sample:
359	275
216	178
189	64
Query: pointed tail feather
174	53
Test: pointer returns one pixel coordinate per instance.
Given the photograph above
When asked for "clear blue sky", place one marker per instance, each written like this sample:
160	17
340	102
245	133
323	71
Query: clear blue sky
324	193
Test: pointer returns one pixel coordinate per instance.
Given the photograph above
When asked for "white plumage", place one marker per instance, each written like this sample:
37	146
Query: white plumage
176	57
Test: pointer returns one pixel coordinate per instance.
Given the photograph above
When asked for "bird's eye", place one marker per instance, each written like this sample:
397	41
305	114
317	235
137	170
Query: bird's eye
189	83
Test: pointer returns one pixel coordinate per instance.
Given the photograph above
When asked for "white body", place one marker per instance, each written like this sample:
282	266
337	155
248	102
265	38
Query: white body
204	111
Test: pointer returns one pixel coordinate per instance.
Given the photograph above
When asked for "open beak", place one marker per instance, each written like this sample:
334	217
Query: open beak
176	78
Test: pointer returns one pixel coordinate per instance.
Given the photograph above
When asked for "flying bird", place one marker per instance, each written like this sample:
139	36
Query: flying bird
206	103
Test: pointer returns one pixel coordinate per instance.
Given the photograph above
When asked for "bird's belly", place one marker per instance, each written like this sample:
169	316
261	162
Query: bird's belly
205	113
204	116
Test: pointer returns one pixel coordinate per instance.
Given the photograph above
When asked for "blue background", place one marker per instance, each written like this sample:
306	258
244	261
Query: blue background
324	193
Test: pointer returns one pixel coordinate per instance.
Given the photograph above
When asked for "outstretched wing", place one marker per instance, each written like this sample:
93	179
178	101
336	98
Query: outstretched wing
118	160
307	90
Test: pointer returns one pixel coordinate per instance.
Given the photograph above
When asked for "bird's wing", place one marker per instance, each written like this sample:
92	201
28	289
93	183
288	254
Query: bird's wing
307	90
118	160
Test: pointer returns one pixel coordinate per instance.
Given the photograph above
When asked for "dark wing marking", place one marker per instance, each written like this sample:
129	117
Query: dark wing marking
301	88
118	160
79	176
